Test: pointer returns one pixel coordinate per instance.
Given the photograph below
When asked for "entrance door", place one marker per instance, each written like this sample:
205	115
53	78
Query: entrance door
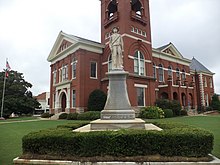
63	102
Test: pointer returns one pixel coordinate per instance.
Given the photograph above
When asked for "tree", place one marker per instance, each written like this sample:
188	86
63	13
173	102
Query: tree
18	98
97	100
215	104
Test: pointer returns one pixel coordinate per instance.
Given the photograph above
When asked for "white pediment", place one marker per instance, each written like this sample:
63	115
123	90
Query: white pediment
66	44
171	50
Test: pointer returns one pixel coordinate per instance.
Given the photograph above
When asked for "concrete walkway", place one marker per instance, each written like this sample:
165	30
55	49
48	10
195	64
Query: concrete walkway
19	121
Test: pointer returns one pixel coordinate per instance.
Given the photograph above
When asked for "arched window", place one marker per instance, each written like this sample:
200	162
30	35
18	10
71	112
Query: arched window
110	63
170	72
161	73
154	71
136	7
183	75
139	63
112	8
177	72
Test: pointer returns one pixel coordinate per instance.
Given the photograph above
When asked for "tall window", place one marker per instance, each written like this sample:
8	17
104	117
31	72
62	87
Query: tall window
74	68
139	63
177	72
160	72
74	98
54	76
93	72
205	82
140	96
54	100
64	72
183	75
170	72
154	71
210	82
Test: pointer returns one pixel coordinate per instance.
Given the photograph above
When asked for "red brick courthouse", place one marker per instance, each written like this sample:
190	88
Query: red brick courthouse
79	66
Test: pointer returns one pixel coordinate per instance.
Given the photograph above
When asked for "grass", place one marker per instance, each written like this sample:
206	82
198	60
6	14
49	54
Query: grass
211	123
12	133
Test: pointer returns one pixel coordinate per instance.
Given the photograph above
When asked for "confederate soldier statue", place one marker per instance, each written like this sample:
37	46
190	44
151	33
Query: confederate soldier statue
117	48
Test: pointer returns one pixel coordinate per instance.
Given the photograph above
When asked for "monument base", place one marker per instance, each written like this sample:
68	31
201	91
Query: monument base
117	124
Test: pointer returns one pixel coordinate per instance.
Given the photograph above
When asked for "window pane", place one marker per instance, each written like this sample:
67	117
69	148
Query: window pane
74	99
93	70
140	96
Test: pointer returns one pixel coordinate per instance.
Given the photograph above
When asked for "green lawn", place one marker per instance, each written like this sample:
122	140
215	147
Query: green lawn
12	133
211	123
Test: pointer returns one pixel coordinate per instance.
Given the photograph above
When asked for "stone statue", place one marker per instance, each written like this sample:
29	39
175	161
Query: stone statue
117	48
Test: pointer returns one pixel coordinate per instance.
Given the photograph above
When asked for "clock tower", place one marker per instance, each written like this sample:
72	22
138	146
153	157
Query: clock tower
132	18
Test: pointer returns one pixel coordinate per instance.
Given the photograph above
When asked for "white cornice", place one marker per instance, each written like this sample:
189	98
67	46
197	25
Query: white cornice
165	56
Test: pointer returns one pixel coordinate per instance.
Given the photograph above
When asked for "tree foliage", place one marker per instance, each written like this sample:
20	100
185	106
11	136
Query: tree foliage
215	104
18	98
97	100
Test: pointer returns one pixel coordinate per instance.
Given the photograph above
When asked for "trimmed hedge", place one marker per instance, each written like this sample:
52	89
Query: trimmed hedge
90	115
189	142
46	115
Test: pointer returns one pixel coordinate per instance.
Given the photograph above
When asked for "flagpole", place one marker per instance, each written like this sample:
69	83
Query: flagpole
3	96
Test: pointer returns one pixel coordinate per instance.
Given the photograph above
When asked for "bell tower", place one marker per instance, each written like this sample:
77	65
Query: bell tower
132	17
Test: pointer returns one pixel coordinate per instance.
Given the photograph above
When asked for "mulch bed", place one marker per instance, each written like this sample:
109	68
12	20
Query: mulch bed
150	158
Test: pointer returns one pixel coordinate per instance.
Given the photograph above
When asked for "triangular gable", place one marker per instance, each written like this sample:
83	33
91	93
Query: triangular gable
70	43
171	50
62	43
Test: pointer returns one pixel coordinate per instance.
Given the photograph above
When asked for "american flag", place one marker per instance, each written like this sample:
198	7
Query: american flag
8	68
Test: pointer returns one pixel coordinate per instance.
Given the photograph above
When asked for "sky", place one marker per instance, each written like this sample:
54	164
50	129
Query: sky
29	28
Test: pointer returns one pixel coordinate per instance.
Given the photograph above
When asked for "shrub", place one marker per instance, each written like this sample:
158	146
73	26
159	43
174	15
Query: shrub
168	113
167	104
209	109
189	142
96	100
45	115
90	115
215	104
151	112
183	112
176	107
72	116
63	116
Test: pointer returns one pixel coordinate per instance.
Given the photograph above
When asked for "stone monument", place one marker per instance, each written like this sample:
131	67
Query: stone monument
117	112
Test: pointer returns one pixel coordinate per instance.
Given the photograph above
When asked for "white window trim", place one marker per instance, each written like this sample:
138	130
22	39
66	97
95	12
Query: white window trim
74	62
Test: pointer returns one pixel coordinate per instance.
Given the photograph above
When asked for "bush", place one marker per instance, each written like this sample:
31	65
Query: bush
167	104
72	116
215	104
168	113
209	109
183	112
90	115
63	116
96	100
151	112
46	115
189	142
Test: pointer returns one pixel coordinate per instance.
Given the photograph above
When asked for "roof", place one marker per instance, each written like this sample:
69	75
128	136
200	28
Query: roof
76	44
197	66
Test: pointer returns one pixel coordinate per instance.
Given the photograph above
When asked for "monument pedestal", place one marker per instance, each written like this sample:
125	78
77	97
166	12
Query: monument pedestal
117	106
117	113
